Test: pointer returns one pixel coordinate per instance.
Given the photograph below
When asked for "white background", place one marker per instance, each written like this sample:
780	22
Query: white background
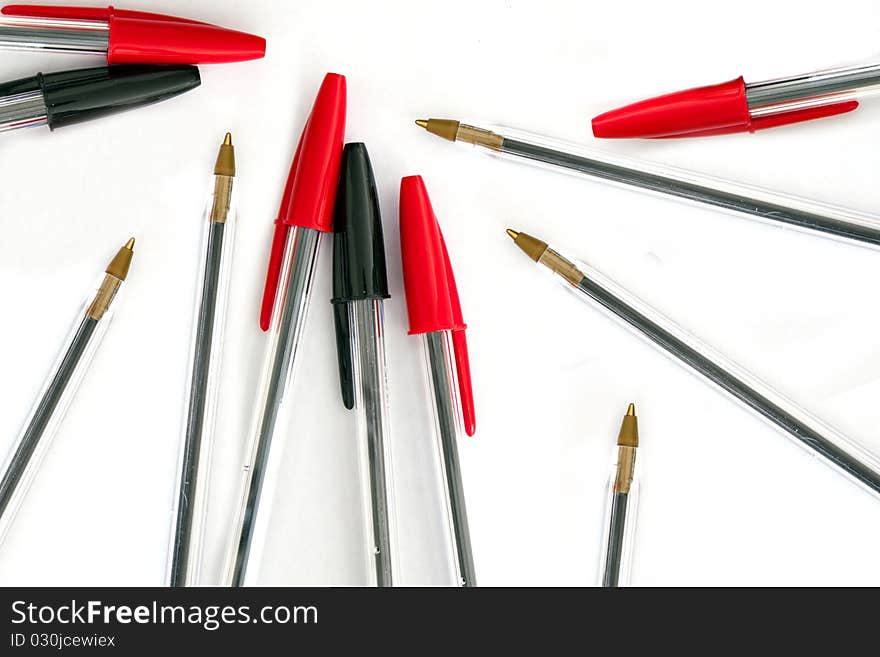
726	499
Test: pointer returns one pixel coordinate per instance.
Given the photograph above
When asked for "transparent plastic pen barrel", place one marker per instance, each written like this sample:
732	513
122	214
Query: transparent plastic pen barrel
769	207
203	384
54	34
28	451
443	392
615	567
815	89
273	399
366	317
23	111
820	439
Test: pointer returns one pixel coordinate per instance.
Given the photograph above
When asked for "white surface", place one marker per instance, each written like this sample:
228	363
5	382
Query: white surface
725	499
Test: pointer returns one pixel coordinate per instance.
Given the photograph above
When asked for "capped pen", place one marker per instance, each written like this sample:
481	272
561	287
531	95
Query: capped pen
822	440
124	36
60	99
738	106
45	417
185	558
360	288
768	206
434	309
306	214
622	503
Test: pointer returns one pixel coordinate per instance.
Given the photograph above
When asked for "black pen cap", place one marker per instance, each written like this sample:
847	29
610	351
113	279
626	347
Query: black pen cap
359	270
90	93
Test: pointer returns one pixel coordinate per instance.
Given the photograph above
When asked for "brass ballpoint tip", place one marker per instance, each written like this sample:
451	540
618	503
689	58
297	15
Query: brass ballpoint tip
627	444
531	246
118	267
453	130
629	429
225	165
115	273
445	128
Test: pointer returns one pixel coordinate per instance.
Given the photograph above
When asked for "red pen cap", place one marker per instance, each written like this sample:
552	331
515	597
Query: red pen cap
138	37
679	114
714	110
431	294
310	192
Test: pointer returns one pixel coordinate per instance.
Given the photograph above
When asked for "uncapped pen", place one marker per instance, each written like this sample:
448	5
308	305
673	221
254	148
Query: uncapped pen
809	432
60	99
435	313
124	36
738	106
620	517
41	425
201	406
306	214
770	207
360	287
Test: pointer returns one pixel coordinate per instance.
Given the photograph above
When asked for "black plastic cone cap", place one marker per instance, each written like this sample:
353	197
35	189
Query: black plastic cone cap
359	270
90	93
358	246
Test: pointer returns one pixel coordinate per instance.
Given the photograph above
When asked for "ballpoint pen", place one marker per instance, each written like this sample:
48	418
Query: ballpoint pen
195	459
737	106
60	99
45	417
770	207
124	36
306	214
435	313
620	518
360	286
807	431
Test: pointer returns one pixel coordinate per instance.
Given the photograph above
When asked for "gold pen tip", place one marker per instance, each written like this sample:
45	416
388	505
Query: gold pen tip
449	129
531	246
225	165
629	429
118	267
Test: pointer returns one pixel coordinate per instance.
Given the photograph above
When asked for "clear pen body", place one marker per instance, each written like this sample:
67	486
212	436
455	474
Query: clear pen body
371	406
765	205
203	384
809	432
24	110
815	89
33	442
621	507
272	402
61	35
447	421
